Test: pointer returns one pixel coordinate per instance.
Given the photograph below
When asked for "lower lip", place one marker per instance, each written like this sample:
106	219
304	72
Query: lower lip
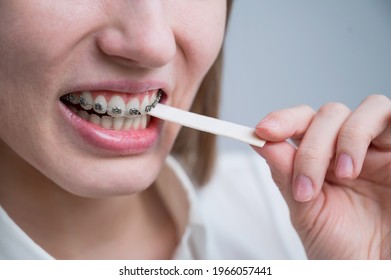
117	142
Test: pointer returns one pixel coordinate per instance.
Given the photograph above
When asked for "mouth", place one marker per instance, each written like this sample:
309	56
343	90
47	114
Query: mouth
114	110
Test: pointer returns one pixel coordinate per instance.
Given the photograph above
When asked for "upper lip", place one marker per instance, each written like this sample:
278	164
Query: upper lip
120	86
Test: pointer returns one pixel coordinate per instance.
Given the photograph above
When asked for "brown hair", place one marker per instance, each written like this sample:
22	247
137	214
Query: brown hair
195	149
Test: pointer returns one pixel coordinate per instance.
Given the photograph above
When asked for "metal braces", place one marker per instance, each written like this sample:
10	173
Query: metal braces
115	110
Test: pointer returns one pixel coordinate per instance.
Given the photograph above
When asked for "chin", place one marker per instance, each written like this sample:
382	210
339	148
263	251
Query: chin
103	186
103	177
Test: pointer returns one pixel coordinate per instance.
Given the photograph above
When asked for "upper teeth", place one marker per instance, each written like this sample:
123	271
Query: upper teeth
116	106
86	100
100	104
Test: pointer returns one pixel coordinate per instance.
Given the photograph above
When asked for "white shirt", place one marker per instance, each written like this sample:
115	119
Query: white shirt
240	214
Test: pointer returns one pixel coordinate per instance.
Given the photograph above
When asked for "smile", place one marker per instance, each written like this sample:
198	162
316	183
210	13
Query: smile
116	111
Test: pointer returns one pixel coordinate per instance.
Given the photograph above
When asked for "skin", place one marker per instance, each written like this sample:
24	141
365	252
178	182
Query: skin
49	47
341	208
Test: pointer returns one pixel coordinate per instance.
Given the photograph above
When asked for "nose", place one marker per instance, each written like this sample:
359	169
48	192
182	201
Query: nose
138	34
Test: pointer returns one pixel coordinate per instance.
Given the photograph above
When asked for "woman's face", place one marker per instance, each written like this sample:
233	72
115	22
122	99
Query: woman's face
110	56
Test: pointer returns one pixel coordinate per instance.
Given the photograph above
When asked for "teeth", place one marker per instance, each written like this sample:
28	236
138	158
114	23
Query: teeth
106	122
136	122
133	103
100	104
121	116
75	100
143	122
116	106
86	100
128	124
144	104
83	114
95	119
118	123
153	97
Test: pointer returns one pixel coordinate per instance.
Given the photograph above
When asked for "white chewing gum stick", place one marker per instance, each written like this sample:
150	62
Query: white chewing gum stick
207	124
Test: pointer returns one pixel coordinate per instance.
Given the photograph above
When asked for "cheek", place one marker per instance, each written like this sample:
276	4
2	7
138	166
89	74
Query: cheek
37	36
199	28
199	32
36	40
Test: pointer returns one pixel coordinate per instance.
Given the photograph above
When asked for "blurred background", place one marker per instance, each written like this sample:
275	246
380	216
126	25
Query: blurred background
282	53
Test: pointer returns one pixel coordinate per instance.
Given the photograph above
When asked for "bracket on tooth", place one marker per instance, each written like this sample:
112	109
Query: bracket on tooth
148	108
70	98
83	101
116	111
98	107
134	112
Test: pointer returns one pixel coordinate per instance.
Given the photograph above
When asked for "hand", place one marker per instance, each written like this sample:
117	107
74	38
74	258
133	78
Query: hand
337	183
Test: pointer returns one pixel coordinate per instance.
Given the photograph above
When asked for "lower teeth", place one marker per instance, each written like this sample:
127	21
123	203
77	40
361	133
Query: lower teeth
119	124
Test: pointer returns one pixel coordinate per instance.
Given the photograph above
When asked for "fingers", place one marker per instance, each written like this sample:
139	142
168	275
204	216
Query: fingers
275	128
280	157
333	134
369	122
317	150
312	158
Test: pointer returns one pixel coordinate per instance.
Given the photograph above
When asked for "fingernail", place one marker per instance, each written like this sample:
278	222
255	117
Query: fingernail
269	123
344	168
303	189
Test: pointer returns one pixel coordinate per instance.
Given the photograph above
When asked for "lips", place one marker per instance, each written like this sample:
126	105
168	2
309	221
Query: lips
113	121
